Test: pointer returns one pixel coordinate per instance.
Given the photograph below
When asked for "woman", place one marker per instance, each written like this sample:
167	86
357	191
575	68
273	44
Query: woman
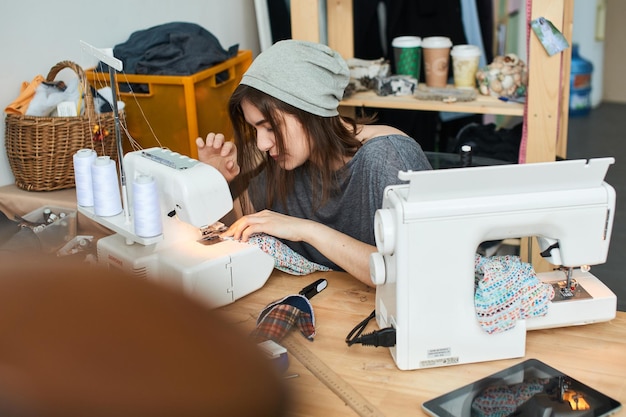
314	179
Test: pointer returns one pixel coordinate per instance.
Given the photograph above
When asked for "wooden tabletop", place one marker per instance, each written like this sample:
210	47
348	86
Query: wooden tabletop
594	354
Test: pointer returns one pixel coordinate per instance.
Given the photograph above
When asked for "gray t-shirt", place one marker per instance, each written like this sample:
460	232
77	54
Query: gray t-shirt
375	166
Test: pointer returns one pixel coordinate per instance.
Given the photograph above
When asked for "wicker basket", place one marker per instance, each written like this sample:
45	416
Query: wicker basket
40	149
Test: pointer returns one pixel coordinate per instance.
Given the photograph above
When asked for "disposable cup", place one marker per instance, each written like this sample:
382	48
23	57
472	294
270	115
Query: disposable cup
407	53
436	50
465	65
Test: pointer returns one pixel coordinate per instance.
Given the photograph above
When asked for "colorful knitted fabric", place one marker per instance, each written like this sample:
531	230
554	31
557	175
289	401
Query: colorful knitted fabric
285	258
278	317
503	400
507	290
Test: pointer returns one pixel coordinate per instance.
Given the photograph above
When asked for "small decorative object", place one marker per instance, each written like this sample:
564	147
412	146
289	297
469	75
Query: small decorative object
99	134
506	76
394	85
364	72
549	36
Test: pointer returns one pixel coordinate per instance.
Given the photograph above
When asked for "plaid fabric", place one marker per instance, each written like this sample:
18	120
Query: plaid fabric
277	319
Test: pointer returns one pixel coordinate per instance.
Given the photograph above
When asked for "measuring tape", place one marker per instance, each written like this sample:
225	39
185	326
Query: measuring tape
332	380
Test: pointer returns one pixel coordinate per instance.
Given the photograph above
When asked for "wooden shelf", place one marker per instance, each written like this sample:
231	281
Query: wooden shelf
482	104
548	85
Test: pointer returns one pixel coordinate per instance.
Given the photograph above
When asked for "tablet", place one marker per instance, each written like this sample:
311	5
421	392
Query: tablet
530	388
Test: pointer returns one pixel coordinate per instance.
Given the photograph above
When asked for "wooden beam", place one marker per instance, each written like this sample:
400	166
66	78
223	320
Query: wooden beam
341	27
544	93
548	102
305	20
568	25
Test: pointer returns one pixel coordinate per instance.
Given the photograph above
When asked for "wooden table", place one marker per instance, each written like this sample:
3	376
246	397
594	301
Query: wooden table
594	354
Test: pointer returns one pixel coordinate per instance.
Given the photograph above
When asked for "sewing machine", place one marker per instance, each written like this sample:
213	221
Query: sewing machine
427	234
188	254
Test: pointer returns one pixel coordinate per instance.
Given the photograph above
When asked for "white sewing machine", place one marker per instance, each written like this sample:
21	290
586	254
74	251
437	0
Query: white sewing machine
427	234
187	255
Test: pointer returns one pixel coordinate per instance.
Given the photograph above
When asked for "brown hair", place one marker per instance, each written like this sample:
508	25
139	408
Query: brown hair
330	139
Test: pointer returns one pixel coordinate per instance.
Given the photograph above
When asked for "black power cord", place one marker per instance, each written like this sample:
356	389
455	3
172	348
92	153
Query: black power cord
384	337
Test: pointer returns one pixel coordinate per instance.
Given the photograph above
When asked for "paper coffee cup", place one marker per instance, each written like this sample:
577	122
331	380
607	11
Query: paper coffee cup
465	65
407	54
436	50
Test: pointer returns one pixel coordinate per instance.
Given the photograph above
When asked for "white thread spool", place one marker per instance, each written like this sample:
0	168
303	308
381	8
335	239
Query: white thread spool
106	192
146	209
83	159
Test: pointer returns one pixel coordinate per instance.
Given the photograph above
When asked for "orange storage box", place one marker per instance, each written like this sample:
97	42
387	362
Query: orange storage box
172	111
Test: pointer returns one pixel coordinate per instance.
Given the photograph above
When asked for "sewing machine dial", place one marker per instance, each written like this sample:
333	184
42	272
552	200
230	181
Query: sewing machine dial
385	231
378	272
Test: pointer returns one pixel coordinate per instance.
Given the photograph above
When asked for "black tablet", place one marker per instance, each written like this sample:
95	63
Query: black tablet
530	388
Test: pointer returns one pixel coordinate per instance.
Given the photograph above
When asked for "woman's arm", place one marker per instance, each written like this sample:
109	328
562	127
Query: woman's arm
348	253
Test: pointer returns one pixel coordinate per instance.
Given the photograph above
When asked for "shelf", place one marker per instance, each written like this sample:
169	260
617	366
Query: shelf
482	104
548	85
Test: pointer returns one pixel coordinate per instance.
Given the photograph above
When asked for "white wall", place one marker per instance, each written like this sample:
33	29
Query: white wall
37	34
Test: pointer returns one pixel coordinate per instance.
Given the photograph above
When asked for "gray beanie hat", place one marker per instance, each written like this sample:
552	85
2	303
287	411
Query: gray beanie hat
309	76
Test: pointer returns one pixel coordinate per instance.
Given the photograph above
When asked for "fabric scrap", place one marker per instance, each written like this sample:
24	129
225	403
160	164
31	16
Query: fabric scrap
285	258
508	290
27	92
174	48
279	317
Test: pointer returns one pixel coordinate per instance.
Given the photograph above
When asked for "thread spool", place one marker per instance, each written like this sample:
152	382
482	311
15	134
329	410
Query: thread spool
83	159
146	209
51	218
46	215
106	193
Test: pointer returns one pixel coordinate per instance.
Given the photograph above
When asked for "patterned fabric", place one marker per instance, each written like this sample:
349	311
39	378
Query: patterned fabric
503	400
278	317
285	258
507	290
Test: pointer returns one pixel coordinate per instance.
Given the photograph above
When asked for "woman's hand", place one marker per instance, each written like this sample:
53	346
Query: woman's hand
220	154
270	223
349	254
